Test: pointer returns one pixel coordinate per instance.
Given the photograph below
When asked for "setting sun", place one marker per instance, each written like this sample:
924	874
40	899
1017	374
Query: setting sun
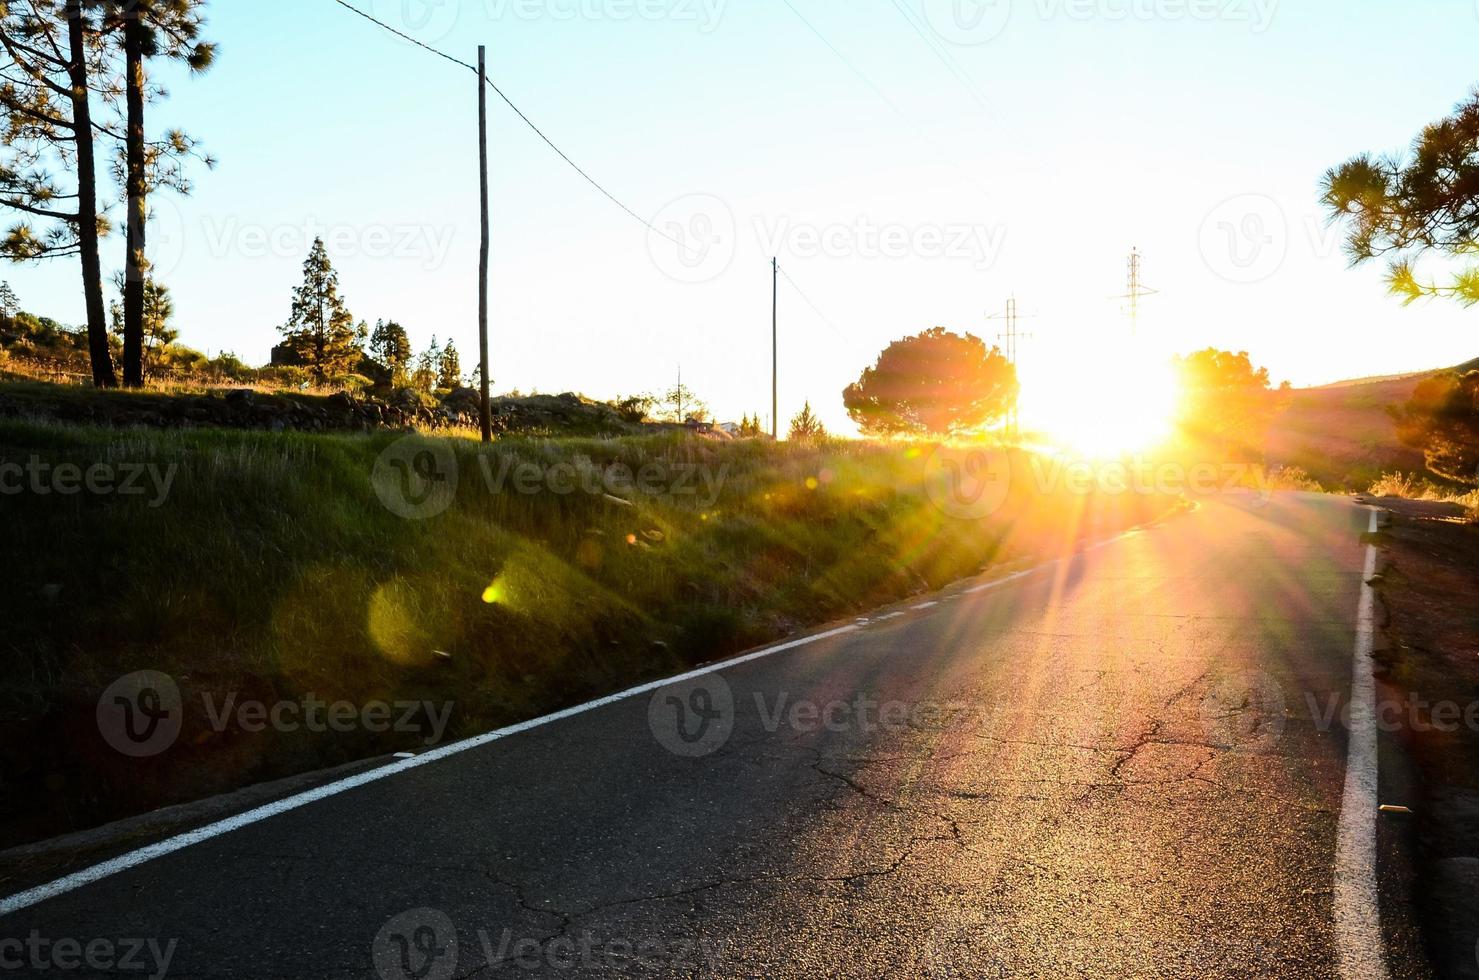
1103	405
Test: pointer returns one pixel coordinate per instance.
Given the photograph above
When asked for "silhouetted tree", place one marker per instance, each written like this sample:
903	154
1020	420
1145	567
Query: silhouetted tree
683	405
150	29
159	309
1442	419
320	330
806	427
449	367
390	346
1226	401
1405	207
56	59
936	383
10	303
636	408
424	378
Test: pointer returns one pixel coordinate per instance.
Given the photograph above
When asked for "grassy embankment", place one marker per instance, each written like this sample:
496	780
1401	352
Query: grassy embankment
272	569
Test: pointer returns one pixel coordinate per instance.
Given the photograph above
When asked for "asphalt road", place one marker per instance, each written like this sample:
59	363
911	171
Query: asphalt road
1108	768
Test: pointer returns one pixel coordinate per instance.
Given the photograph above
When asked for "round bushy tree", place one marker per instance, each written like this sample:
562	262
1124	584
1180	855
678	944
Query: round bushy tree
935	383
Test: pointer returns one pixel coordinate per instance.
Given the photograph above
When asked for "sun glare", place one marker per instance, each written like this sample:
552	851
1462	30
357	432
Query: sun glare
1103	406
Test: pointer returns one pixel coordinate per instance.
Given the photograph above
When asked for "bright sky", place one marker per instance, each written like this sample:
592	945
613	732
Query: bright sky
1195	130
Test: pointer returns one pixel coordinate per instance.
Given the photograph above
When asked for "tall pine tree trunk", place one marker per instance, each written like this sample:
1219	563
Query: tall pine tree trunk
87	203
134	273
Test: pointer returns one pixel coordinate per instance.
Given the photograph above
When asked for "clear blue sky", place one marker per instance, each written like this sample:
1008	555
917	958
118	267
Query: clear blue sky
1106	124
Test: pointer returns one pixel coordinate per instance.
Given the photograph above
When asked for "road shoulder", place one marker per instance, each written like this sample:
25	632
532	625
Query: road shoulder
1428	671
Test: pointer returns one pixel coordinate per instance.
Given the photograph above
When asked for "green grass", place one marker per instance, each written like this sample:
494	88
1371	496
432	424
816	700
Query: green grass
273	569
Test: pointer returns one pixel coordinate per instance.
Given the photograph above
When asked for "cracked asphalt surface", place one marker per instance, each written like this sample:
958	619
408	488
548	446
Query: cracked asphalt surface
1112	767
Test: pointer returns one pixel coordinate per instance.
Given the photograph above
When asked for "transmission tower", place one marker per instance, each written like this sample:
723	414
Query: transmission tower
1013	338
1137	290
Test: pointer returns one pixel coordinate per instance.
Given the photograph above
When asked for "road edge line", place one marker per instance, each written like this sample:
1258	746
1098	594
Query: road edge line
143	855
170	845
1359	946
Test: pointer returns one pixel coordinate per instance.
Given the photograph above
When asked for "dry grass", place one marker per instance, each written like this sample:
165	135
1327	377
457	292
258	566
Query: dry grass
1411	486
14	368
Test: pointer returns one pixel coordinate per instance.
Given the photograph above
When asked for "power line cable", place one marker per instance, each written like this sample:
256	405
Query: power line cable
944	56
846	61
527	121
404	36
593	182
924	134
814	308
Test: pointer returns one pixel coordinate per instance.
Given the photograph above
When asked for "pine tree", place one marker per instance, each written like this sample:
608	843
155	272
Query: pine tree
159	309
683	404
806	427
449	368
390	346
424	378
10	303
428	368
150	29
320	330
55	64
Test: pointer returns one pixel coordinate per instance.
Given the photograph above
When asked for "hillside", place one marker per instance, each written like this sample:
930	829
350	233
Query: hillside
1342	434
285	410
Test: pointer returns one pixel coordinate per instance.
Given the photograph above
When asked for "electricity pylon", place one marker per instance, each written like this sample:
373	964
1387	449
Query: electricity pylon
1013	338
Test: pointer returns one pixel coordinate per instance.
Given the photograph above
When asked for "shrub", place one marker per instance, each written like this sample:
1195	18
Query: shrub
1413	487
352	383
1293	478
284	376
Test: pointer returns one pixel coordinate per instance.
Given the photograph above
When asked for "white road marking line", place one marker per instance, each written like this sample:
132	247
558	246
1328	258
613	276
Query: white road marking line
133	859
926	605
143	855
1360	950
999	582
892	615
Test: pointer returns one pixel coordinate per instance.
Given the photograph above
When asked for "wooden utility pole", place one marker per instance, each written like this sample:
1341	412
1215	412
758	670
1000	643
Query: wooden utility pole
775	350
483	406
